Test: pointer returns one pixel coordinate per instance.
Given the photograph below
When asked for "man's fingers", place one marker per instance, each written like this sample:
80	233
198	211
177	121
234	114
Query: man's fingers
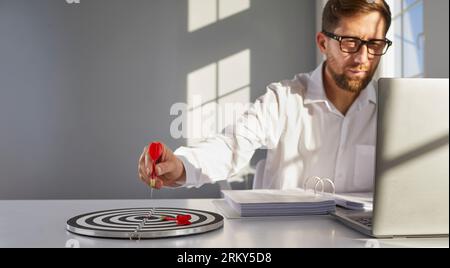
144	169
141	164
142	158
165	168
148	166
158	184
143	174
163	153
142	178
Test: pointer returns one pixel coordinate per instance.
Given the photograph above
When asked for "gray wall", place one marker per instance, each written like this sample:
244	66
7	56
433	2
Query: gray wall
436	27
84	87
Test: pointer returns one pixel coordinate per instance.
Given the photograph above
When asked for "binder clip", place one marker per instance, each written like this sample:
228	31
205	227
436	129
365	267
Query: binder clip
319	182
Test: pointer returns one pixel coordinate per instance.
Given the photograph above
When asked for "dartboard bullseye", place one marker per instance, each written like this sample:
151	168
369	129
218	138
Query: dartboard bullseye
138	223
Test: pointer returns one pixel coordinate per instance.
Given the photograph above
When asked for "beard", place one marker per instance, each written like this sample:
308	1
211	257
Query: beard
350	84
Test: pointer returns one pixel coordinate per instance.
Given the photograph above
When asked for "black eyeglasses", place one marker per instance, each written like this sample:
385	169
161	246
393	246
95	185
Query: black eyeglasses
349	44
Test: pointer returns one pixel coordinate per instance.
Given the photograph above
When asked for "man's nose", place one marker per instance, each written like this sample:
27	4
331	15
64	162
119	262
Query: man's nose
362	56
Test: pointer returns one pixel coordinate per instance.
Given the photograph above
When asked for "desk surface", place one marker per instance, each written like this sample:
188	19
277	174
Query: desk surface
42	224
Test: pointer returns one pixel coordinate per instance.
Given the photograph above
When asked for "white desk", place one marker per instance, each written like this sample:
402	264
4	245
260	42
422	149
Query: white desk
43	223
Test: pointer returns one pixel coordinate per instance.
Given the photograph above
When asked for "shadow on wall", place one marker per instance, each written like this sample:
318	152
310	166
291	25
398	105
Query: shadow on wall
87	85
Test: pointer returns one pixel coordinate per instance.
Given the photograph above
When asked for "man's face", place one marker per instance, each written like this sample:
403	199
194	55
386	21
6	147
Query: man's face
353	72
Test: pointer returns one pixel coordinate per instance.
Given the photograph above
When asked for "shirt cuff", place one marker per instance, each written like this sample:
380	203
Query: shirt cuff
192	173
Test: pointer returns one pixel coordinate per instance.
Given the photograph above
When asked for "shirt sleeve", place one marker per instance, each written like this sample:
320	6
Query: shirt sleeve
223	156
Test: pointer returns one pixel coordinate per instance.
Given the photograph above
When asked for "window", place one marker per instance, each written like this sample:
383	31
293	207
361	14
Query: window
406	59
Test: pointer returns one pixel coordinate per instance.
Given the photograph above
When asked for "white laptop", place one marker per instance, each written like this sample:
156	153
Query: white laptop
412	164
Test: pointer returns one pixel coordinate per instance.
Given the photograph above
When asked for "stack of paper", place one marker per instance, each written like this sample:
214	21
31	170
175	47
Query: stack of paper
296	202
355	201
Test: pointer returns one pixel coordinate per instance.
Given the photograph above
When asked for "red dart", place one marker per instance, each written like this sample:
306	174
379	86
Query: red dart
184	218
155	151
182	223
180	219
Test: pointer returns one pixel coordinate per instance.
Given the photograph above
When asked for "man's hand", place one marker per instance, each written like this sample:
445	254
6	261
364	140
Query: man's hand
169	169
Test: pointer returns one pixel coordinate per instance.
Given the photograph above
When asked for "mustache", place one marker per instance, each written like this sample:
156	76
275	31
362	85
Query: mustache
360	68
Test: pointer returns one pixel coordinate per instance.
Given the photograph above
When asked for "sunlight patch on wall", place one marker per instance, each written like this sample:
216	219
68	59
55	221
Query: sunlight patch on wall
228	8
234	72
203	13
218	94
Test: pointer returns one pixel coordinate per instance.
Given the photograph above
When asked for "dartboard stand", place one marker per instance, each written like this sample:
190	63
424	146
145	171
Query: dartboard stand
143	223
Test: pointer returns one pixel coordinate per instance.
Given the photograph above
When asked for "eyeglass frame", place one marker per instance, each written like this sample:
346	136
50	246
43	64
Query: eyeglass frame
339	38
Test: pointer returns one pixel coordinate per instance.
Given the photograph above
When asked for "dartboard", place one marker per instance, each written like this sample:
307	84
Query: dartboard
143	223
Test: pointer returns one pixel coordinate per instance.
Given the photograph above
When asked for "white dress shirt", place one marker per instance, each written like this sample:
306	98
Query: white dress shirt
305	136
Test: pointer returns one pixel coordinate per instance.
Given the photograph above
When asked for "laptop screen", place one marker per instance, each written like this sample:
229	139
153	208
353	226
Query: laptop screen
412	171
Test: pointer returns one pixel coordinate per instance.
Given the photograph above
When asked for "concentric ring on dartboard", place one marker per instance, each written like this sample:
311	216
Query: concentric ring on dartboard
122	223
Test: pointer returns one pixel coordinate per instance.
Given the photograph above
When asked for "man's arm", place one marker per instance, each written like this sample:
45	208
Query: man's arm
225	155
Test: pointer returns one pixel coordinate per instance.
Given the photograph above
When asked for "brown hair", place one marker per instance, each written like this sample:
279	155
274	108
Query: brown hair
335	10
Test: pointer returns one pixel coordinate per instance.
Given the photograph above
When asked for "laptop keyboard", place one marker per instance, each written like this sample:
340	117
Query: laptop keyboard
367	221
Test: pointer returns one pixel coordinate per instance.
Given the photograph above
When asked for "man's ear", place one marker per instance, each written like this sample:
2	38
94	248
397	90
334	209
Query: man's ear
321	41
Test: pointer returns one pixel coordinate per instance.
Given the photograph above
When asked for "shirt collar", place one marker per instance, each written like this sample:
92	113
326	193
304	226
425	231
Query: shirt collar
315	91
